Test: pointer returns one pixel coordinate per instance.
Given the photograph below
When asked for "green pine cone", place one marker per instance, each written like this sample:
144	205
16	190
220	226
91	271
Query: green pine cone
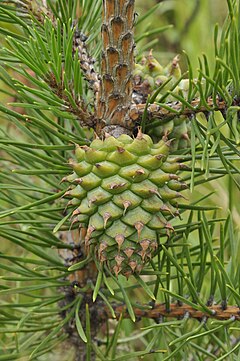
122	189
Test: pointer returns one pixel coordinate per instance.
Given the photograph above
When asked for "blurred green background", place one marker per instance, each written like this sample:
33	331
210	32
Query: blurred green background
193	25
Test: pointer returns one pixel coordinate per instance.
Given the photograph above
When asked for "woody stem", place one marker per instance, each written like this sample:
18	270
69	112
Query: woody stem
175	311
117	65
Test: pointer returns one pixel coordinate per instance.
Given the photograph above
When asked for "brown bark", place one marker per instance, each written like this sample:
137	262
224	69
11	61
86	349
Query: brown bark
117	63
155	111
176	311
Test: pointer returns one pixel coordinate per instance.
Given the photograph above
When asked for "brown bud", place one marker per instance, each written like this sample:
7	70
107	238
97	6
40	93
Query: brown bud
103	245
119	239
133	265
91	201
139	134
119	259
169	226
120	150
127	274
116	270
85	148
155	191
102	257
153	245
78	180
145	244
75	220
139	227
76	212
90	230
64	179
106	217
126	204
185	136
128	251
165	208
142	254
139	268
140	171
117	185
101	254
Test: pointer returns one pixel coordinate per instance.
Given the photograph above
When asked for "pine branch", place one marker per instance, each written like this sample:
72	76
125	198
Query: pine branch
175	311
173	109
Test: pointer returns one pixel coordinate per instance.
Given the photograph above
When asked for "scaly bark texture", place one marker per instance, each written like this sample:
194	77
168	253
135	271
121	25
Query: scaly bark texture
115	94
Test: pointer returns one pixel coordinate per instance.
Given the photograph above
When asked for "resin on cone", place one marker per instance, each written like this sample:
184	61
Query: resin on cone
122	191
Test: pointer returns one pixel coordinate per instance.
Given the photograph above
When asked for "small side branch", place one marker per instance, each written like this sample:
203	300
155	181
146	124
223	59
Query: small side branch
173	109
176	311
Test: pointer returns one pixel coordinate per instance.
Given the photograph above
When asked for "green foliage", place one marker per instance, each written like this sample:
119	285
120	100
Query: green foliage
48	99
